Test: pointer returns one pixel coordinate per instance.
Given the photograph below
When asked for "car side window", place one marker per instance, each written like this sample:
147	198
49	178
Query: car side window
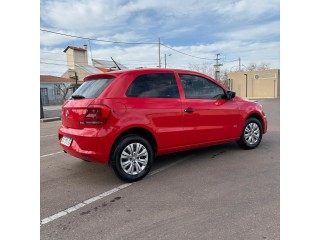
158	85
196	87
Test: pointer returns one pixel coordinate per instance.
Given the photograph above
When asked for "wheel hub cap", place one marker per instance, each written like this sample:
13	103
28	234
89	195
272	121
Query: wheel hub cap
134	158
252	133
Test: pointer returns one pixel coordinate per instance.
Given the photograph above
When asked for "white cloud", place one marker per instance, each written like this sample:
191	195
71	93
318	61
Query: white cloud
49	39
252	32
52	61
73	15
147	55
248	9
243	28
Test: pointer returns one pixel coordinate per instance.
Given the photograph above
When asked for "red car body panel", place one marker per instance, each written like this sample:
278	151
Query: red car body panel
173	129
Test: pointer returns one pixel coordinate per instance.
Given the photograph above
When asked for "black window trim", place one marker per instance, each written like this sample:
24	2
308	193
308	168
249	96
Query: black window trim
195	75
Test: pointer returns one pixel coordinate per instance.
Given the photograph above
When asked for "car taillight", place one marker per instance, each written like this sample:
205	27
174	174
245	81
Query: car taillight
97	114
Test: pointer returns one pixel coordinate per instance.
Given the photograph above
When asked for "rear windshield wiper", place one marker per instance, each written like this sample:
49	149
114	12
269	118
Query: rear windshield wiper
77	96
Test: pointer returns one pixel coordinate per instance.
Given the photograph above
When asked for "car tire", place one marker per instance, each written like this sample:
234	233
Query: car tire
251	134
132	158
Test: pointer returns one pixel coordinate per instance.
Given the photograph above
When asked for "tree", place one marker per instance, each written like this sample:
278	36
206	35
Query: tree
62	88
224	78
251	67
255	67
204	68
208	69
264	66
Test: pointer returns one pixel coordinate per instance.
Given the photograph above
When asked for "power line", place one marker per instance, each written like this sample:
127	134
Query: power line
96	58
60	64
52	63
186	53
94	39
53	53
231	61
56	60
120	42
133	62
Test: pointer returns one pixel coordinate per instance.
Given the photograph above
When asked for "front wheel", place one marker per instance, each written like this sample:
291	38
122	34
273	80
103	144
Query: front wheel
132	158
251	134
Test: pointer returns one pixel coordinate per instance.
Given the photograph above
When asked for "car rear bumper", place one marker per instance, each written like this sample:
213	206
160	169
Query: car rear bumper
92	144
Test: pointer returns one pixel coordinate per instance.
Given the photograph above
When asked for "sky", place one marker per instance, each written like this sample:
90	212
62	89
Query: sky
245	29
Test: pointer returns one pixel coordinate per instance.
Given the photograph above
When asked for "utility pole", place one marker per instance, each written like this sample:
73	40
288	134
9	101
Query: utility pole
239	64
217	67
75	77
159	55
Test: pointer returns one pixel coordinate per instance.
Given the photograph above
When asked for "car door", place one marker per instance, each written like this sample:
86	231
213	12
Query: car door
207	117
156	97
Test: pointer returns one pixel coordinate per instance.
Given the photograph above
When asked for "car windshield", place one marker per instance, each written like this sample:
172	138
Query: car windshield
92	88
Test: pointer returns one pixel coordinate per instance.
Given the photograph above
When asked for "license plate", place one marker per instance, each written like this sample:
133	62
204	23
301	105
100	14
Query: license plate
66	141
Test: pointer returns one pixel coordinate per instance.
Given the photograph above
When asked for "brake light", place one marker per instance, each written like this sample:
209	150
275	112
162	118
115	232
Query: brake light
97	114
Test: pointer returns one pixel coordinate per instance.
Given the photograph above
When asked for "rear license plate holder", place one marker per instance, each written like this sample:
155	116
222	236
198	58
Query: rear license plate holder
66	141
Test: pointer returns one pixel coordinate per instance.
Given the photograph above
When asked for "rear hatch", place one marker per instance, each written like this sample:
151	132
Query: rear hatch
80	110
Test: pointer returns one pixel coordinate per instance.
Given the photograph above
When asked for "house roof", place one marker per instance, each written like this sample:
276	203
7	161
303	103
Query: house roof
49	78
107	64
74	48
88	68
103	69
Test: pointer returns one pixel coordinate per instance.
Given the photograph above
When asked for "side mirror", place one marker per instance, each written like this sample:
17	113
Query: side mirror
230	94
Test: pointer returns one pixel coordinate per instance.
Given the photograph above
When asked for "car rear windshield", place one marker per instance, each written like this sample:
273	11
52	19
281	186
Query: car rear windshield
92	88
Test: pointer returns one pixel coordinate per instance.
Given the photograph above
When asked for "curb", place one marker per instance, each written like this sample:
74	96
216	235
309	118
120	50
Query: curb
50	119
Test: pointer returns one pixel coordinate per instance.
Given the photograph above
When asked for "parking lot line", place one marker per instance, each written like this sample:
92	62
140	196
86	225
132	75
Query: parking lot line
50	154
51	135
105	194
83	204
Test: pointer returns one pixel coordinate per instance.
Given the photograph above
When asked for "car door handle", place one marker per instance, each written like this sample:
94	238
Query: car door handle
189	110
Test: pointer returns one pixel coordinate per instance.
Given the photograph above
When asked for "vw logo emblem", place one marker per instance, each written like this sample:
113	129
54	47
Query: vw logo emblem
67	114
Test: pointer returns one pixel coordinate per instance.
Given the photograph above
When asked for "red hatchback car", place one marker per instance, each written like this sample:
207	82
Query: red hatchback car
126	118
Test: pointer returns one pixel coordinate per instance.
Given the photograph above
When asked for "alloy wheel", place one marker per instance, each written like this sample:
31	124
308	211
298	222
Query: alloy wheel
252	133
134	158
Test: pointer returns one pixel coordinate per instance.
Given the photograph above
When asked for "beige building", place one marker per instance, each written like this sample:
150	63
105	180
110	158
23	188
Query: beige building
256	84
77	62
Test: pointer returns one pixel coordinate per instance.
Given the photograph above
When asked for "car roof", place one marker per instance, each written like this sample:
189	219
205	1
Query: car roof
141	70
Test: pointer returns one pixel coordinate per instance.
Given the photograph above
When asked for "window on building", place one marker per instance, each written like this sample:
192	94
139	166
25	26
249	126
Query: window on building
44	91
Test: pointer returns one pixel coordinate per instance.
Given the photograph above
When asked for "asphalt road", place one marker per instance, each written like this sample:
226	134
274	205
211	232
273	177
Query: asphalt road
219	192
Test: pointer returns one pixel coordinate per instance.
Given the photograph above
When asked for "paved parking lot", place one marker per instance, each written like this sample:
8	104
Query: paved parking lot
220	192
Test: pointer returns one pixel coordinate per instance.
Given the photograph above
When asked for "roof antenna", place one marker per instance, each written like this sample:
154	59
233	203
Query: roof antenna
116	63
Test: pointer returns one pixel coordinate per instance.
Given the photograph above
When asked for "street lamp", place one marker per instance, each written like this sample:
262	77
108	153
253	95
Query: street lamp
246	84
165	59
